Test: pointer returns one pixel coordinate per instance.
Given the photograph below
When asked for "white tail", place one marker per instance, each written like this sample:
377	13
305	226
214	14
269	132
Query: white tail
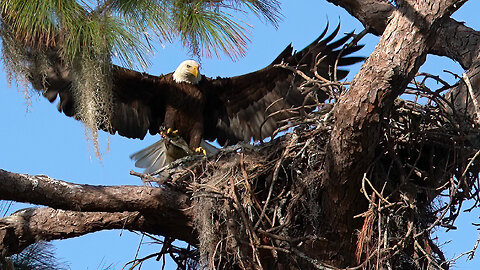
154	157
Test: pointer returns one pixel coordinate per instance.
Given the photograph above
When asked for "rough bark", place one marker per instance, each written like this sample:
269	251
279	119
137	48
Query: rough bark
396	59
453	40
401	51
43	190
32	225
161	210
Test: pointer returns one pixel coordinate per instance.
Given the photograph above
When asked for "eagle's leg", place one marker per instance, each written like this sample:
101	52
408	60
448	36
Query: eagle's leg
196	138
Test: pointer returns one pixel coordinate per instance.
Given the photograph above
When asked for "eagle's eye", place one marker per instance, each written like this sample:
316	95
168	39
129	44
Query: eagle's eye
188	66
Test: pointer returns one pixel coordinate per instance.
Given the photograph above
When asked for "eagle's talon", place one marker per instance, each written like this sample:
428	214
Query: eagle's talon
200	150
170	131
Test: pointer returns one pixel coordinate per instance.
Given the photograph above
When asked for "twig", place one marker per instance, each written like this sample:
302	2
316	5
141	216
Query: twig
274	178
472	95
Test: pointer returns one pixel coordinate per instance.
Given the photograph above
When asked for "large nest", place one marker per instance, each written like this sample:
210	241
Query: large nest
260	207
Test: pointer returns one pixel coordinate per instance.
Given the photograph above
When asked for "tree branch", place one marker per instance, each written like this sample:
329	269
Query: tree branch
167	210
32	225
373	14
453	40
43	190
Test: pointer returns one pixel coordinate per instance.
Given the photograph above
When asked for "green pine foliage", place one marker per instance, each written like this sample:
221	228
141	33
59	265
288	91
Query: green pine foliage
38	256
123	27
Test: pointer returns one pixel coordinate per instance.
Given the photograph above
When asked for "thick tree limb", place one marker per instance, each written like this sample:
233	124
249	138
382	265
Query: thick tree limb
453	40
373	14
401	51
43	190
457	42
32	225
165	209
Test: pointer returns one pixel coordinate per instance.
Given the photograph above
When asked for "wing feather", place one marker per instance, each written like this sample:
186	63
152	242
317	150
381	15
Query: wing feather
251	106
139	99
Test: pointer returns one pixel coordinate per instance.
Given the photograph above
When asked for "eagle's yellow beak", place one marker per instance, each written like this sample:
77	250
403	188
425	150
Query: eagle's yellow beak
194	71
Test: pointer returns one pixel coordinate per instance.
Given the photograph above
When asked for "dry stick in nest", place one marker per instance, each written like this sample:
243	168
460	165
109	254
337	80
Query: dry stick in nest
146	178
396	248
452	194
434	96
289	110
254	240
470	253
292	142
309	80
426	255
248	186
472	95
327	83
167	248
314	262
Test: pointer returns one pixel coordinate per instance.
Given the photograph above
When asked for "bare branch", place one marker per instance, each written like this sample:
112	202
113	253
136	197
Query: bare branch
167	210
32	225
43	190
455	40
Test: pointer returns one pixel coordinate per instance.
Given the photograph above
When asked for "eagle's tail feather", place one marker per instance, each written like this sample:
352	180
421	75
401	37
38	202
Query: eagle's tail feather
156	156
152	158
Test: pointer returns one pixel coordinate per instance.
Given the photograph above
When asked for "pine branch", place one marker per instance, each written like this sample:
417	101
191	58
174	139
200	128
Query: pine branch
43	190
33	225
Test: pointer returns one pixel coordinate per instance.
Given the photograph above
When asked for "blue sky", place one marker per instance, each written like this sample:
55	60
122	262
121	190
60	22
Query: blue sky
36	139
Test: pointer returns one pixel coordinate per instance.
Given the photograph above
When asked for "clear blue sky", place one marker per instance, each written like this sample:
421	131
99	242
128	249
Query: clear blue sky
36	139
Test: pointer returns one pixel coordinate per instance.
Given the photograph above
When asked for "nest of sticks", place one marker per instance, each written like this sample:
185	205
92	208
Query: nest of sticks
258	205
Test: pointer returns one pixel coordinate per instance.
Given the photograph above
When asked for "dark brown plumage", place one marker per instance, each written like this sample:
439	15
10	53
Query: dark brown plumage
226	109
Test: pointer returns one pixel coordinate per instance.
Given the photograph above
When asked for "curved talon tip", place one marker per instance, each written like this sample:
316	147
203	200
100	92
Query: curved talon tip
171	131
200	150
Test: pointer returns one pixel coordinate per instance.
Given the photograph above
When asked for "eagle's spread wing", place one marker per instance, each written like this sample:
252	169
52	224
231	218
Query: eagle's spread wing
252	105
139	99
235	108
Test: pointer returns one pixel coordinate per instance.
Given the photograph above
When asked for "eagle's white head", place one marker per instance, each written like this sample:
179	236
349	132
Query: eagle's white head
188	71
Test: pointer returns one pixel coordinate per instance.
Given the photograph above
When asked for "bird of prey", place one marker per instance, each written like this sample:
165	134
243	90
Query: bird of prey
195	108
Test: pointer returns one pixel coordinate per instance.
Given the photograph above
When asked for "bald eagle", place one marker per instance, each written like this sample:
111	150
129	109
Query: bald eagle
197	108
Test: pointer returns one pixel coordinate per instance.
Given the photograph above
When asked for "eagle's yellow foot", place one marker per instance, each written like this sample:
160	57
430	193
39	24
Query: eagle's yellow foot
171	131
200	150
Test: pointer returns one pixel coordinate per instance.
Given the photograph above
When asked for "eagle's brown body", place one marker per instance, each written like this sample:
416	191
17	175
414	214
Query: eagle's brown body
184	116
224	109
